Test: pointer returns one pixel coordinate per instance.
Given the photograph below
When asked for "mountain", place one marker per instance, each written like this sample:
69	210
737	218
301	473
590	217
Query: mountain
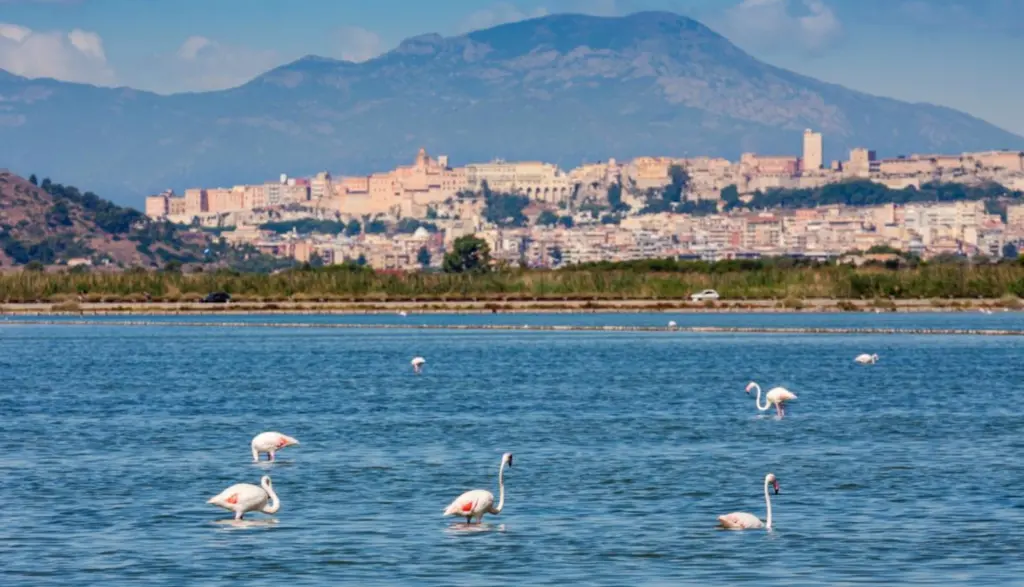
562	88
53	223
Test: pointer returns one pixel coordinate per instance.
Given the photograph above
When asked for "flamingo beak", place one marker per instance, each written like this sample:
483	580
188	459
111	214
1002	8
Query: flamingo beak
510	460
775	485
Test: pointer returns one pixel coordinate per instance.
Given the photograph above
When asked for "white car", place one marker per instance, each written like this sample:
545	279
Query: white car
708	294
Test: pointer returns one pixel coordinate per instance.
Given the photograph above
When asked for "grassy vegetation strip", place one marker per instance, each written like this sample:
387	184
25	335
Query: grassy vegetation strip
656	281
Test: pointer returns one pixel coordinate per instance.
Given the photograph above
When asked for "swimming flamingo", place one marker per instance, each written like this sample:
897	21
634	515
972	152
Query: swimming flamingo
776	395
866	359
417	364
476	503
745	521
246	497
270	442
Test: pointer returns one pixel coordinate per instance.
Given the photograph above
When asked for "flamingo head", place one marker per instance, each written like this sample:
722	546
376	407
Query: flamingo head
775	482
265	481
506	459
874	357
750	386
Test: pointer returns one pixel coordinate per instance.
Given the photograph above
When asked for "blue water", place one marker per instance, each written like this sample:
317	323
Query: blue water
1013	320
627	446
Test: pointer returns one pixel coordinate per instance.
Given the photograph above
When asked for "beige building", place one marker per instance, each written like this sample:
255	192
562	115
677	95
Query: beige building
861	163
536	180
753	164
158	206
1011	161
812	159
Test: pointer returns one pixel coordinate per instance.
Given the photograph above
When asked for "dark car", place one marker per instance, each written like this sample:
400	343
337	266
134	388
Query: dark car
217	297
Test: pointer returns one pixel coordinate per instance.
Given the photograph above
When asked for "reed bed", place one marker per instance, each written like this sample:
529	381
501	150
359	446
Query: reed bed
926	282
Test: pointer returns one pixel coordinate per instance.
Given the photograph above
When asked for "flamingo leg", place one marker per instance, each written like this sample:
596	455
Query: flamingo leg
469	519
778	409
272	455
238	515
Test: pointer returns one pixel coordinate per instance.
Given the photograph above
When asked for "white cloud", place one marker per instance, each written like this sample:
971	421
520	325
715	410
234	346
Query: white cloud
358	44
77	56
190	49
771	24
88	43
500	13
202	64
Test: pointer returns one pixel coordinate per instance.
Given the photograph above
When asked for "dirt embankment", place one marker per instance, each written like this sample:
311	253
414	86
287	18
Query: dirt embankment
378	307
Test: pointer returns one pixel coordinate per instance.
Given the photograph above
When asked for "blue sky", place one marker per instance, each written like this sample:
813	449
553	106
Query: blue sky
967	54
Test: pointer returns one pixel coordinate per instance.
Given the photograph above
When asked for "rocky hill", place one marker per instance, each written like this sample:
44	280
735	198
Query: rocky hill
562	88
53	224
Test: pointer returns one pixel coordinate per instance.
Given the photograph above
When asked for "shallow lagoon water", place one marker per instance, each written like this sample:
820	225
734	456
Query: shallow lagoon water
627	446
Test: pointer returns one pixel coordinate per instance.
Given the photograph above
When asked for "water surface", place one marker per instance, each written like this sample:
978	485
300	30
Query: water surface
627	446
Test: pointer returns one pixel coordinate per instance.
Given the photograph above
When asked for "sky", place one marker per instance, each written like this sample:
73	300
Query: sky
966	54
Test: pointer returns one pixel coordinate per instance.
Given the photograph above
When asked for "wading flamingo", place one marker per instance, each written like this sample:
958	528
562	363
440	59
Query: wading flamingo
775	395
476	503
866	359
246	497
671	323
745	521
417	364
270	442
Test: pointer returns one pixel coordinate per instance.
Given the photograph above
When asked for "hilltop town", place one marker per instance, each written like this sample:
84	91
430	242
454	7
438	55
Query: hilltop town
536	214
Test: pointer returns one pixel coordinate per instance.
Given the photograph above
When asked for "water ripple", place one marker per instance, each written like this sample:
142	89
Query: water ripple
628	446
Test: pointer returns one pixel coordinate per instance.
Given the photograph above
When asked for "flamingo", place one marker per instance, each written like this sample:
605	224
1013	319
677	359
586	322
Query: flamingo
246	497
745	521
776	395
866	359
417	364
671	323
270	442
476	503
402	313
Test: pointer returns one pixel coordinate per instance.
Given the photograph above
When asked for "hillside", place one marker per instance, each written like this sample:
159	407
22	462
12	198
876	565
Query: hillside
52	224
562	88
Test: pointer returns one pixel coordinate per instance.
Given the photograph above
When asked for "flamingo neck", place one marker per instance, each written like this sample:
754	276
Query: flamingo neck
757	400
275	503
768	506
501	489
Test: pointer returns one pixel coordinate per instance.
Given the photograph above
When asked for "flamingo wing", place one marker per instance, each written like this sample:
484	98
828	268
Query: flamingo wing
244	496
780	394
740	521
470	503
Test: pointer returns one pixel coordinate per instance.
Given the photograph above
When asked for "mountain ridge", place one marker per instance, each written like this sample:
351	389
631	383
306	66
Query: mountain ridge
564	88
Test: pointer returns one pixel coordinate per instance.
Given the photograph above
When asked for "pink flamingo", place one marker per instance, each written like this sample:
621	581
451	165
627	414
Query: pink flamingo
476	503
745	521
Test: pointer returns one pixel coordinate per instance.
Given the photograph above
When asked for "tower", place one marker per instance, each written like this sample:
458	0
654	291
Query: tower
812	159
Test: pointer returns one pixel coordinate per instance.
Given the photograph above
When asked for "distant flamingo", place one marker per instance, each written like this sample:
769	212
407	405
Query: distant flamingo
476	503
270	442
246	497
417	364
776	395
745	521
671	323
402	313
866	359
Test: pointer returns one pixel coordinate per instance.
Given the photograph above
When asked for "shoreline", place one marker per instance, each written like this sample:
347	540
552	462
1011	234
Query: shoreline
817	330
372	307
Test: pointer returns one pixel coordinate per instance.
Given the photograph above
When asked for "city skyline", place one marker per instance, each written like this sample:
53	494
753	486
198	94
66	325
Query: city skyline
195	47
